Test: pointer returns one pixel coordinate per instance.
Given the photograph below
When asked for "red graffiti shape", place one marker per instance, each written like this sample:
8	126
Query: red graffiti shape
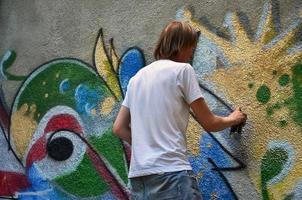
12	182
57	122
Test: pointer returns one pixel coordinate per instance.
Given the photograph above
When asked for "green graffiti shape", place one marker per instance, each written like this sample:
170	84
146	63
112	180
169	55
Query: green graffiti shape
84	181
263	94
270	109
284	80
274	72
272	164
43	89
111	148
289	196
282	123
295	102
6	62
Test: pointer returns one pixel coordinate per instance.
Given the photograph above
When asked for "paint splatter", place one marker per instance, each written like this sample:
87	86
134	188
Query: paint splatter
284	80
263	94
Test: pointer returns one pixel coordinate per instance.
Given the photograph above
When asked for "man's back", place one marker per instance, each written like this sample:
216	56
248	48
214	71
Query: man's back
158	101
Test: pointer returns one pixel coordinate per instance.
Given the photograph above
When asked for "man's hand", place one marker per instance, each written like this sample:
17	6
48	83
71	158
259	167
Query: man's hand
211	122
237	117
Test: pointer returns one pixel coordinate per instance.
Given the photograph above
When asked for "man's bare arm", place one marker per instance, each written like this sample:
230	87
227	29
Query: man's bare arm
211	122
121	126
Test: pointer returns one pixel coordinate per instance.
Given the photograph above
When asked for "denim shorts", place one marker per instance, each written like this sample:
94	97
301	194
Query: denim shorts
181	185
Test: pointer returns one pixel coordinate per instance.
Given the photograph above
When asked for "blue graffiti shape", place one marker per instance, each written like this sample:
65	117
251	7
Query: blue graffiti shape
86	99
64	86
211	183
40	187
131	62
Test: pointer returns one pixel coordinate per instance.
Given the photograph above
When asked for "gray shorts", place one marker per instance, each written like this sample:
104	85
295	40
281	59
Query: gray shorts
181	185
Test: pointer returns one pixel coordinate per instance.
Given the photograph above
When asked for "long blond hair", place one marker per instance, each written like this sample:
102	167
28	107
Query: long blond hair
174	37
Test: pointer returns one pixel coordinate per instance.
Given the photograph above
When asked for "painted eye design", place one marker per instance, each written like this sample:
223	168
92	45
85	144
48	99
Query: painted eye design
64	153
59	148
68	138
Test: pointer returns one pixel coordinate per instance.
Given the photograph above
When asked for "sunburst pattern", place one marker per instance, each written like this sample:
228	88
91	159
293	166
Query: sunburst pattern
256	77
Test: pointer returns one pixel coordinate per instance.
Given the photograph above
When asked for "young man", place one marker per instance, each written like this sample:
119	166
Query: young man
157	105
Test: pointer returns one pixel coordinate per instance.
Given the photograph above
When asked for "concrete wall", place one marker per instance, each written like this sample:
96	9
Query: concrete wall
63	79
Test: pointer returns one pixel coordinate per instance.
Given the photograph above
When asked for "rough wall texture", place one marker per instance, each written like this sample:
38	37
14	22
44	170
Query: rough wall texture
63	79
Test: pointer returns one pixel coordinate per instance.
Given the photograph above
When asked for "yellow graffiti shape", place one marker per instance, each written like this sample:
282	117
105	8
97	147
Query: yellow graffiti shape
253	61
106	67
193	135
107	105
113	56
23	127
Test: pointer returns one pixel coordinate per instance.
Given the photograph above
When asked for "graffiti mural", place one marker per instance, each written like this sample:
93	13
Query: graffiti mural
59	135
261	74
56	140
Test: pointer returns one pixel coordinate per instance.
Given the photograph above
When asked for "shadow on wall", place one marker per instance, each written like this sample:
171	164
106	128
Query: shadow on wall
57	141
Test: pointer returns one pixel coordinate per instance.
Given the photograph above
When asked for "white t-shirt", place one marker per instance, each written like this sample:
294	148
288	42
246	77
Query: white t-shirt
158	98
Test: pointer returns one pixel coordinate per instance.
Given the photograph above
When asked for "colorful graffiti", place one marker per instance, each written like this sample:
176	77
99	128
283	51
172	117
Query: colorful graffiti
60	130
262	75
57	141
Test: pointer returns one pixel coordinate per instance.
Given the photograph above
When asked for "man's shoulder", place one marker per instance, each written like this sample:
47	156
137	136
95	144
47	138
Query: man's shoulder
167	62
167	65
